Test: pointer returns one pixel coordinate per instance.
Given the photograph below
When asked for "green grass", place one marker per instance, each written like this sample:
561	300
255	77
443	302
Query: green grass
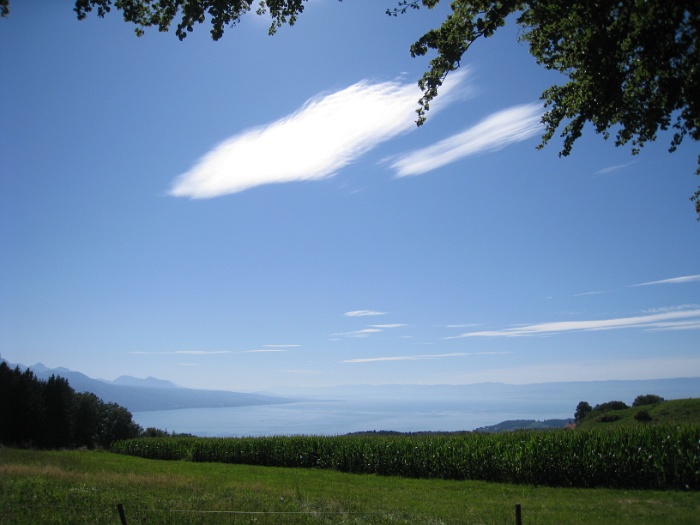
85	486
677	411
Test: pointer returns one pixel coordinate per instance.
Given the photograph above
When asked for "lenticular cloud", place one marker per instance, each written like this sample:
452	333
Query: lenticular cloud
327	133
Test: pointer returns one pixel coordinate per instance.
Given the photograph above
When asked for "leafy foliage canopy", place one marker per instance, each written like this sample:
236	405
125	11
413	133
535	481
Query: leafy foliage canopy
221	13
632	66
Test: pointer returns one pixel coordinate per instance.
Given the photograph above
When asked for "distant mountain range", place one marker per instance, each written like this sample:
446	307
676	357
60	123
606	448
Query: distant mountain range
149	382
151	393
139	395
594	392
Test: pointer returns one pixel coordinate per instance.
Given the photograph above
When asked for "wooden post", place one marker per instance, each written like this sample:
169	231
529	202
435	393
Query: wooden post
518	515
122	516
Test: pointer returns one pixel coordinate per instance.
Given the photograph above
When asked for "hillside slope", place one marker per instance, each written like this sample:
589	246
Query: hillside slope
667	412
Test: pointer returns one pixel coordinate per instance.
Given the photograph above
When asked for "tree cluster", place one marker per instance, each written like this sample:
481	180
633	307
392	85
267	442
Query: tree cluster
582	410
50	414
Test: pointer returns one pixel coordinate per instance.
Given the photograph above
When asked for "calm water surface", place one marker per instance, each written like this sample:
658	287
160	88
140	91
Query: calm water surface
341	417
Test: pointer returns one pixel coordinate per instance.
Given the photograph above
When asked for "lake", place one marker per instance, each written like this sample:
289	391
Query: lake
333	417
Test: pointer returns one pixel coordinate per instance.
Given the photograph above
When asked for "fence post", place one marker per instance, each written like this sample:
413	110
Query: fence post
122	516
518	515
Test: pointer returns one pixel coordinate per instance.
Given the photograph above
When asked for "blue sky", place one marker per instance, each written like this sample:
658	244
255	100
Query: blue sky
262	211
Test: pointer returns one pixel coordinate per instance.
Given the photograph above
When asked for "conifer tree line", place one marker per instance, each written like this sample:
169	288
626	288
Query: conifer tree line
50	414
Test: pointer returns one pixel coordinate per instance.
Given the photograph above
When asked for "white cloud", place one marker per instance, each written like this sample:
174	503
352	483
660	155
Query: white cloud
202	352
263	351
675	280
359	333
496	131
421	357
678	320
185	352
664	309
363	313
395	325
327	133
693	324
611	169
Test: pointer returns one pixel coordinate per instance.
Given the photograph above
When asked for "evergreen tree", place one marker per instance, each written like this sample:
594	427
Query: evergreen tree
58	421
50	414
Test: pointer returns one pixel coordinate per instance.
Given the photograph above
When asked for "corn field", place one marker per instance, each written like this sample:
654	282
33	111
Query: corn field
654	457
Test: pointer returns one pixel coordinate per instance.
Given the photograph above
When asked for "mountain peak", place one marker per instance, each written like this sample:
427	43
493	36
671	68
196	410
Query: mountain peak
149	382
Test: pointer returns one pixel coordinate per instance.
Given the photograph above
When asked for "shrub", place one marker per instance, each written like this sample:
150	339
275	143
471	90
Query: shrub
154	432
610	405
648	399
642	416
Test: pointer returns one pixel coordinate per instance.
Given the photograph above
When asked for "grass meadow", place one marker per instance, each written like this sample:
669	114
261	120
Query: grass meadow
86	486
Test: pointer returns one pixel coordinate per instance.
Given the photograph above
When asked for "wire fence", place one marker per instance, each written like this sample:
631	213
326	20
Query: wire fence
136	515
120	514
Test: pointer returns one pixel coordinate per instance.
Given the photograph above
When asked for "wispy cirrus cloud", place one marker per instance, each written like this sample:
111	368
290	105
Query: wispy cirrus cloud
421	357
365	332
185	352
363	313
675	280
611	169
264	349
672	320
329	132
494	132
678	308
371	329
